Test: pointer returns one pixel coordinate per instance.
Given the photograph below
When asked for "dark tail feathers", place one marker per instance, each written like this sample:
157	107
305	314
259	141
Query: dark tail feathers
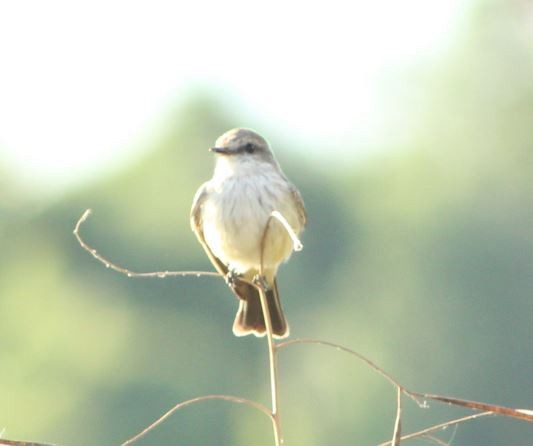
249	318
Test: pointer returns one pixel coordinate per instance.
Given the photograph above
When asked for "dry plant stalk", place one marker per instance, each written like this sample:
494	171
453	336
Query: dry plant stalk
5	442
232	399
273	347
397	434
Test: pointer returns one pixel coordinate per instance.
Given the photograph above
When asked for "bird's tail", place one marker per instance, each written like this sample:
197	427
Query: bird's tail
249	318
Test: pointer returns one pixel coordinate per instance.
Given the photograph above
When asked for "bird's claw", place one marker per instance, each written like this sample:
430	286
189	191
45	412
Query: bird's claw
261	282
231	278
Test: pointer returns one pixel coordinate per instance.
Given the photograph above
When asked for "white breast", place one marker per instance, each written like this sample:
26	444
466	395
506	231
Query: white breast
235	215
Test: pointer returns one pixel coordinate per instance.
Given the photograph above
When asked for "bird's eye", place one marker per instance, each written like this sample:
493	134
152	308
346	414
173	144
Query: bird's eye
249	148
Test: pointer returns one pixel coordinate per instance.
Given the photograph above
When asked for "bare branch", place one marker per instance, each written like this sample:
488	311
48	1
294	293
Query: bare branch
521	414
439	427
359	356
488	409
127	272
232	399
5	442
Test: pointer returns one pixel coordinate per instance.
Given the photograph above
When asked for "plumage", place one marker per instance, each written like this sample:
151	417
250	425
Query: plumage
229	216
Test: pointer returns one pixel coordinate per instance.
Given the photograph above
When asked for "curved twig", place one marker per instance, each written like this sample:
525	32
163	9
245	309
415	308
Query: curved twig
359	356
232	399
419	397
521	414
489	409
296	243
108	264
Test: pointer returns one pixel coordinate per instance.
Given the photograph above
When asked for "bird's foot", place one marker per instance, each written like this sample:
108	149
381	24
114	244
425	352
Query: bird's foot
261	282
231	278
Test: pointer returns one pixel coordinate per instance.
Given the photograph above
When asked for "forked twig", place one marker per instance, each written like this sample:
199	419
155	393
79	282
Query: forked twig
520	414
439	427
488	409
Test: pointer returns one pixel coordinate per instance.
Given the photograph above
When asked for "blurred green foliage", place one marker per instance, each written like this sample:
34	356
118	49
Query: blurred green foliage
420	259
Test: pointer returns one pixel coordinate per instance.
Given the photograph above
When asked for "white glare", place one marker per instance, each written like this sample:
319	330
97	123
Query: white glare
82	84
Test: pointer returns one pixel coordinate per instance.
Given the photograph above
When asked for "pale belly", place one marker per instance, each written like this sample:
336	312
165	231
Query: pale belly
234	221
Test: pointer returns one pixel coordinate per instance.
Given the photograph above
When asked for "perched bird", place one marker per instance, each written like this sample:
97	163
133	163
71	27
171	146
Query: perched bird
229	215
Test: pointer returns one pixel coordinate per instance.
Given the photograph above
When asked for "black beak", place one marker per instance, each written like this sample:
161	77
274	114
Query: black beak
222	150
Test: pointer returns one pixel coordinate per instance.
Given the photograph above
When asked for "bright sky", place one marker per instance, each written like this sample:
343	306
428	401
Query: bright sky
82	84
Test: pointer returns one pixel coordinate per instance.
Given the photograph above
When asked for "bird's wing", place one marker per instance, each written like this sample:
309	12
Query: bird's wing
197	227
299	204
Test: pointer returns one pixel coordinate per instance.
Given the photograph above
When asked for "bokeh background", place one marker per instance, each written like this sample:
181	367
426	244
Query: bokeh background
408	128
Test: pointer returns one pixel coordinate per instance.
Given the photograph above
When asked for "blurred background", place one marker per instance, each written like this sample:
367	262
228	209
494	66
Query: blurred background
408	127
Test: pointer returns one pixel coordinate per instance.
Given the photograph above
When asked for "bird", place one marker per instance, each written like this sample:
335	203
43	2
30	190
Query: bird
229	215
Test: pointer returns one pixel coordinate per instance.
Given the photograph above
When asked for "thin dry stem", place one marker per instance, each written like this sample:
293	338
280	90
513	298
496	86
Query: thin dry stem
274	413
397	434
296	243
5	442
521	414
436	440
126	271
418	397
344	349
489	409
273	366
359	356
272	347
232	399
440	427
